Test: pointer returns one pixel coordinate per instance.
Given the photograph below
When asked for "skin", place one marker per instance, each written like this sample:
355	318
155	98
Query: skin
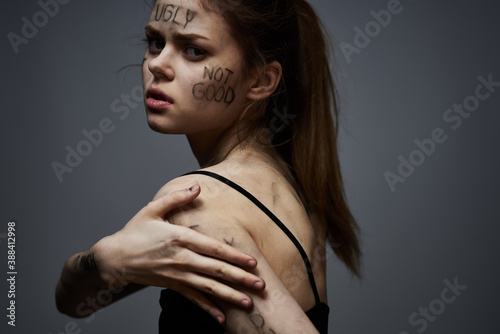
233	218
257	284
175	61
212	131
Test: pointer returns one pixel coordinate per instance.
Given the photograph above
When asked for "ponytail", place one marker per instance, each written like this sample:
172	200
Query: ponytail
290	32
315	140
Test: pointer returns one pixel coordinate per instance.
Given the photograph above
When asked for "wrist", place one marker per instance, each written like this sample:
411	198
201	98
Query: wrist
103	259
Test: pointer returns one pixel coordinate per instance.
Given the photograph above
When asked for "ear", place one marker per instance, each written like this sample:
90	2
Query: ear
265	81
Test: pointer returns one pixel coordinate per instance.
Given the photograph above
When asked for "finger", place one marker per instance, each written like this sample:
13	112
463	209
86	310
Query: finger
163	205
217	289
202	244
224	271
203	302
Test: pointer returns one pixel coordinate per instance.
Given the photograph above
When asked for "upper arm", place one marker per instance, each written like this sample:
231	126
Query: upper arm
218	214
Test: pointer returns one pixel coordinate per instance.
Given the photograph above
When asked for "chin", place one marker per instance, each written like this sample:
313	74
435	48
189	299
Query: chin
155	123
156	128
159	128
158	125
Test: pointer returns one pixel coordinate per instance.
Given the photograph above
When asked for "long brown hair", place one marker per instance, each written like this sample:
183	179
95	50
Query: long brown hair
290	32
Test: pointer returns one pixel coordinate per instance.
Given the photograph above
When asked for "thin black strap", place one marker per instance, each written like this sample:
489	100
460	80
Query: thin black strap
274	219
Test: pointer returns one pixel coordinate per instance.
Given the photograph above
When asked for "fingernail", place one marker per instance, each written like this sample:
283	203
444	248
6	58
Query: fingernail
245	302
252	263
194	188
259	284
219	319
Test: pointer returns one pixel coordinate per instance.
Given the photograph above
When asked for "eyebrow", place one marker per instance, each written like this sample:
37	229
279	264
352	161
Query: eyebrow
176	35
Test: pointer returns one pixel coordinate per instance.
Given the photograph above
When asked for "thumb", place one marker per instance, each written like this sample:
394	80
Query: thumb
163	205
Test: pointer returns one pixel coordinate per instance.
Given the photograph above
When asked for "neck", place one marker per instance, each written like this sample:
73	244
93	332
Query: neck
212	150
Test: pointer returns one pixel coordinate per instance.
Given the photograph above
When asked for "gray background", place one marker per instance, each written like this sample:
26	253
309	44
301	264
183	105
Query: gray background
440	224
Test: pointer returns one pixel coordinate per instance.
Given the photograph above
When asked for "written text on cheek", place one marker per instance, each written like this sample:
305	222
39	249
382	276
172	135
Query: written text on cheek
217	91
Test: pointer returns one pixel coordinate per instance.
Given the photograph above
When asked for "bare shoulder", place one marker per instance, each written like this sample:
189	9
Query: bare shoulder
263	183
227	215
215	212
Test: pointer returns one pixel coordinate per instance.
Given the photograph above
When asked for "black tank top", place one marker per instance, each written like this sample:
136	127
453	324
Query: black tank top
180	315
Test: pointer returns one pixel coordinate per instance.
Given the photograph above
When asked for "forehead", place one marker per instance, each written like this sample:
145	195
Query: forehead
185	16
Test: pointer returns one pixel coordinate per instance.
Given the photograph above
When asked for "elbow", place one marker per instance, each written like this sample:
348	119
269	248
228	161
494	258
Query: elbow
61	301
77	312
62	308
62	304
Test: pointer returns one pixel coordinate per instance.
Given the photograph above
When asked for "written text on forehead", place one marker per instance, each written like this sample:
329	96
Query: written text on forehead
173	13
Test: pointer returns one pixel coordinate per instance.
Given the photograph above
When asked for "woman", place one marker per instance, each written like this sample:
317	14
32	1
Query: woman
248	82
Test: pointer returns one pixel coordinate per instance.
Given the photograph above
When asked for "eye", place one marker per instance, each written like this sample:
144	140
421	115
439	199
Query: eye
155	45
194	53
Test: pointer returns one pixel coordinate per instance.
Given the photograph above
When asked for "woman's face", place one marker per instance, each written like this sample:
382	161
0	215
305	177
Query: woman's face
192	71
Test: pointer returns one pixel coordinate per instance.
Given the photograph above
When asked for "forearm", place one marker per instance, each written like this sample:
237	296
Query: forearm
269	319
81	291
274	310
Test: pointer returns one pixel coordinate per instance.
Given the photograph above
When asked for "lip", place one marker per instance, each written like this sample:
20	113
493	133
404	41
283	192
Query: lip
157	99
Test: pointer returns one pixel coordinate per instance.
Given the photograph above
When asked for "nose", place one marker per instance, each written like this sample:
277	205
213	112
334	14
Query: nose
162	65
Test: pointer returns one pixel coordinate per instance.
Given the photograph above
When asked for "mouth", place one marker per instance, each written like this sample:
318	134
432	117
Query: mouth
157	99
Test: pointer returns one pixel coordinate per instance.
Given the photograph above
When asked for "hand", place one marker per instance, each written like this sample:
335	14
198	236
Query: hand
151	251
